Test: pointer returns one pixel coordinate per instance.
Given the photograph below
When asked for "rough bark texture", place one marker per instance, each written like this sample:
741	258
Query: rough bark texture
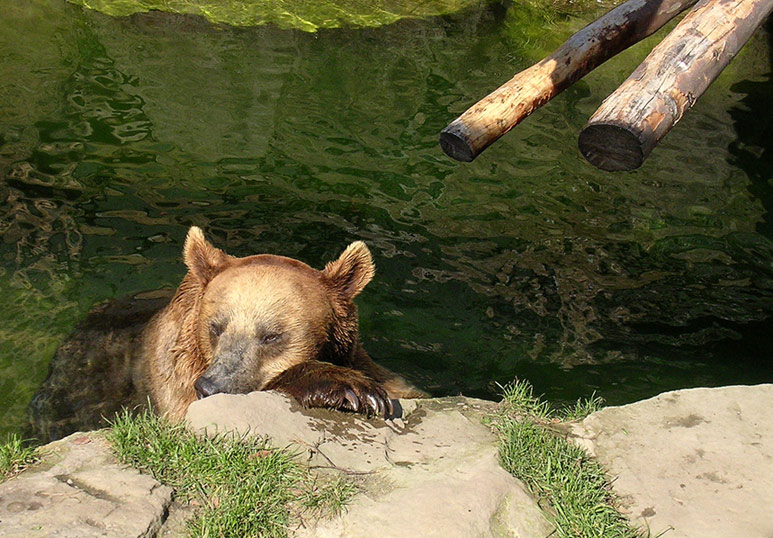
482	124
632	120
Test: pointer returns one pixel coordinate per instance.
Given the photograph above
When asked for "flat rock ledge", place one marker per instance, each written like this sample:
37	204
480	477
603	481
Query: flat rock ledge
690	463
78	490
434	472
696	462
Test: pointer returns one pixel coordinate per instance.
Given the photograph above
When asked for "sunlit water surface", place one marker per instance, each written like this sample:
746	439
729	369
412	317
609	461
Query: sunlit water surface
117	134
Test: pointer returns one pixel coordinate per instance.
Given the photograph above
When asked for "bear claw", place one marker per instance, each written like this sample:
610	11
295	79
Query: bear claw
351	397
316	384
372	401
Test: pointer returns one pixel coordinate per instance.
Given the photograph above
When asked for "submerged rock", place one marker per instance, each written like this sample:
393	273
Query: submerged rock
91	375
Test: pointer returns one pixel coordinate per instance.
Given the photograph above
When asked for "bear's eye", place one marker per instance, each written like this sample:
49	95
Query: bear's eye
270	338
216	329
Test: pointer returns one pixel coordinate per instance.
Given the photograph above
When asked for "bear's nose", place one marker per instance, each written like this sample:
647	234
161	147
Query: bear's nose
205	387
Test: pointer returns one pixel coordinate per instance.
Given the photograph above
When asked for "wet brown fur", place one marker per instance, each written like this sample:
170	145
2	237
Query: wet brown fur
322	363
157	345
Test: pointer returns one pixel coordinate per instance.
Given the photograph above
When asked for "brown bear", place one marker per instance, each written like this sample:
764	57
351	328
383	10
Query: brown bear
234	325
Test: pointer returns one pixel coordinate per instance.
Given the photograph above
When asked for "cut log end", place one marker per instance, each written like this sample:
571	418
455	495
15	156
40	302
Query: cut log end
455	144
611	147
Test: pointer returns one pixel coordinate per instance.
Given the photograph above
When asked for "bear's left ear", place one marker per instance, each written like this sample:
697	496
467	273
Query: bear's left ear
203	260
352	271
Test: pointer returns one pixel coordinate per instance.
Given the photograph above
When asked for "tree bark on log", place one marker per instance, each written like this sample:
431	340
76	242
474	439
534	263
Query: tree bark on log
631	121
483	123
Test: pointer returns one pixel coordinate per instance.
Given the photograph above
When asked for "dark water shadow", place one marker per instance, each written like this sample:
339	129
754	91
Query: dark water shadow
753	149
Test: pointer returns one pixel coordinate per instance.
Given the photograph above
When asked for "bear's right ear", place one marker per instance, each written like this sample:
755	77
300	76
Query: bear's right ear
203	260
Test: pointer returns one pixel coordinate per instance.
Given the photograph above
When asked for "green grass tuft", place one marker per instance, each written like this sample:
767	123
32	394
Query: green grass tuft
518	400
244	487
574	486
581	408
329	497
15	456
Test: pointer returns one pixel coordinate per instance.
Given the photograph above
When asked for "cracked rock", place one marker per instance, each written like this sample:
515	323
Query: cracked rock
689	463
433	472
79	490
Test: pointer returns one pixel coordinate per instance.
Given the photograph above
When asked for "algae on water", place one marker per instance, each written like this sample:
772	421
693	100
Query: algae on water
307	15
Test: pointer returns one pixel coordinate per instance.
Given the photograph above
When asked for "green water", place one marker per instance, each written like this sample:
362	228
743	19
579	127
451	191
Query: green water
117	134
307	15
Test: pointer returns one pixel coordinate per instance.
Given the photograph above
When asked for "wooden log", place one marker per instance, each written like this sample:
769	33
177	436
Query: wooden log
632	120
483	123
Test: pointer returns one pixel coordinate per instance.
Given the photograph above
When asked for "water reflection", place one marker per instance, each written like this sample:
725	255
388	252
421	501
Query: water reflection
527	262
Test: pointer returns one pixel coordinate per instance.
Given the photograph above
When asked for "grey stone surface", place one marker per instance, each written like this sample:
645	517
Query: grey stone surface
691	463
695	463
433	473
79	490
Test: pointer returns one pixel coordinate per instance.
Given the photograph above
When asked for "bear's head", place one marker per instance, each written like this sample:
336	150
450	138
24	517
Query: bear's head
260	315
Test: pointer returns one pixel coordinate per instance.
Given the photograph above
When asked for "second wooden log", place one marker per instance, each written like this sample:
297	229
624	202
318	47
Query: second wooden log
483	123
631	121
